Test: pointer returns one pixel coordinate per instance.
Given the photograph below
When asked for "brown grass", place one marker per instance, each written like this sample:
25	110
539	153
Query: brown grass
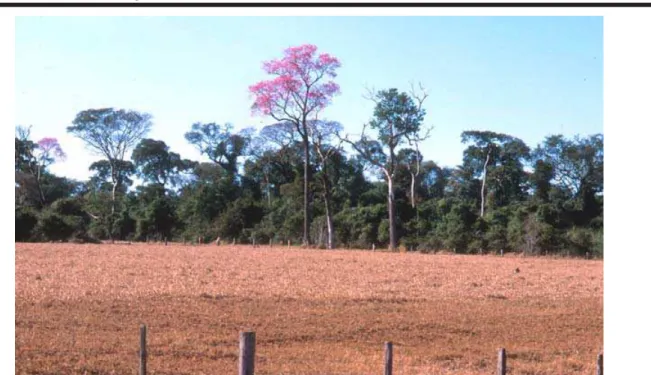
78	308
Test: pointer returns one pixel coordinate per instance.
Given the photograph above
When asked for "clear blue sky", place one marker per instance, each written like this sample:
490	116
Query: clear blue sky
524	76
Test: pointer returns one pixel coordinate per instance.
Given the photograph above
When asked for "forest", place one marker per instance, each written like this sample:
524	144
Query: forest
306	180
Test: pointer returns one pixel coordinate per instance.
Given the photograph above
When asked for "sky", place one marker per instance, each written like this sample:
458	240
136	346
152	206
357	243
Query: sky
528	77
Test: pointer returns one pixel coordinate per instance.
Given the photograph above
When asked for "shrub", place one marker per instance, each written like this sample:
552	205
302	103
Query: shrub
53	227
581	240
26	221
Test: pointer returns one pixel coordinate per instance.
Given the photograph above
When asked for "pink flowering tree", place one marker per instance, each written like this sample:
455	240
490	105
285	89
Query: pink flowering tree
49	151
302	86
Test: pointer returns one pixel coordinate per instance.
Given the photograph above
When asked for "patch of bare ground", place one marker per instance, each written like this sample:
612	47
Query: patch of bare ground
78	308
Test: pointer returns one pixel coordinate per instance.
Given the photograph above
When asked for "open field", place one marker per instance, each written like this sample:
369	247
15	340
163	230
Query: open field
78	308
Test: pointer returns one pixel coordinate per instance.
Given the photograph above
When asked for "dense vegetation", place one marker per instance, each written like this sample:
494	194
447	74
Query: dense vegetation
293	180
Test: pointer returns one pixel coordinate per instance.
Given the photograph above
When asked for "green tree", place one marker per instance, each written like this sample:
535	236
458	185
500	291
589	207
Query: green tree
26	220
541	178
155	213
112	134
577	168
397	118
219	144
156	164
323	135
32	161
498	159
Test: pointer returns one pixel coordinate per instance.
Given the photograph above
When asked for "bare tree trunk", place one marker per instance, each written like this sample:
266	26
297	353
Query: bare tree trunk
483	183
325	183
392	221
413	188
330	230
113	193
326	197
266	181
307	176
116	182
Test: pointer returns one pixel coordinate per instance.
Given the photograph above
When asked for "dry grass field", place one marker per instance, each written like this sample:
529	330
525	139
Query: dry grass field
78	310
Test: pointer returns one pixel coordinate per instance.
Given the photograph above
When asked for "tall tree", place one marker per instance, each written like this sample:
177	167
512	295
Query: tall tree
577	166
397	117
577	163
323	134
499	152
413	158
435	179
219	144
111	133
540	180
156	164
296	95
273	151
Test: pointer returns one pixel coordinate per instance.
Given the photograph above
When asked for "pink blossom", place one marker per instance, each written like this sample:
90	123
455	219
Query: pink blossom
299	87
50	150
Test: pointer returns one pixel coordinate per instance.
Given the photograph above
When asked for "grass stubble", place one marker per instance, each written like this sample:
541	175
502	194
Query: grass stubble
78	309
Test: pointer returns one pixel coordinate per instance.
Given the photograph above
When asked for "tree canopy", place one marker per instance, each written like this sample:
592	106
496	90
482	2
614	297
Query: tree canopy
303	179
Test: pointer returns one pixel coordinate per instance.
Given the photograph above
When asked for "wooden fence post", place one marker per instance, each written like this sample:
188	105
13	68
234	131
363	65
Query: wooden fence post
247	353
600	364
143	350
501	361
388	358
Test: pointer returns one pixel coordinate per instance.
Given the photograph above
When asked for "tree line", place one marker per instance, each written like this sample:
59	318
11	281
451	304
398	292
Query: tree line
294	180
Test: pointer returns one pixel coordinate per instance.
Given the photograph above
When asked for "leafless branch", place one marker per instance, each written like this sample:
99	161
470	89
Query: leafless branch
419	95
370	93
